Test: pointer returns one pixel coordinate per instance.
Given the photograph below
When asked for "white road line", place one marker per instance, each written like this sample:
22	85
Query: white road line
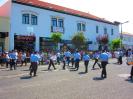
124	75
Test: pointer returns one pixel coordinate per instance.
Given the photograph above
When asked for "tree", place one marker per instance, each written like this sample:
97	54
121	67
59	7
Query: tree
56	37
79	40
103	41
115	44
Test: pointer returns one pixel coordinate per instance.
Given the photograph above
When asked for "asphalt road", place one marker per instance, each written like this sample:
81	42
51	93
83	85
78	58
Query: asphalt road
66	84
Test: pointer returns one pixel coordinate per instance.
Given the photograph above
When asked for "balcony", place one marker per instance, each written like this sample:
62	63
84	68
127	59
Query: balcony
57	29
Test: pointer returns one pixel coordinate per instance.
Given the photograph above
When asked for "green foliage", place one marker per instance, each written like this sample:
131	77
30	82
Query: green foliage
115	44
56	37
79	40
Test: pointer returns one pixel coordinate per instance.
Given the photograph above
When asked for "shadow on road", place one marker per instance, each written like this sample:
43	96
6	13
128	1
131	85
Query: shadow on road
25	70
98	78
26	77
81	73
95	69
129	80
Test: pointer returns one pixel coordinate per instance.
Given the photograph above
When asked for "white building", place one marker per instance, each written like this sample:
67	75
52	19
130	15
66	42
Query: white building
127	40
33	21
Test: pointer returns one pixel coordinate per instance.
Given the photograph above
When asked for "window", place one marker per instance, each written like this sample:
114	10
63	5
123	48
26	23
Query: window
105	30
97	29
29	19
112	31
81	27
33	19
54	22
60	22
25	18
57	25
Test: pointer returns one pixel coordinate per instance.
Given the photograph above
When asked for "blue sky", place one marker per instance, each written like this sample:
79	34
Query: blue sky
2	1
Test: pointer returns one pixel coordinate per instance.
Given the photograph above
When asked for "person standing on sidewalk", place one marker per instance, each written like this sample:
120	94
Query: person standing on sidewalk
86	59
104	61
34	63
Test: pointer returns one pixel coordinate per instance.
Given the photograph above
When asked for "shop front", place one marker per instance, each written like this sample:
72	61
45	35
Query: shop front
3	36
24	42
46	44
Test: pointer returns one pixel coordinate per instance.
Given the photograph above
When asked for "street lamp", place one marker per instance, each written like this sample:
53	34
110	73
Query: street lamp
121	36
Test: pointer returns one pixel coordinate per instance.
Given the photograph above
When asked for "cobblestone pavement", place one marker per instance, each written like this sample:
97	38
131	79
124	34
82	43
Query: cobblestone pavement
66	84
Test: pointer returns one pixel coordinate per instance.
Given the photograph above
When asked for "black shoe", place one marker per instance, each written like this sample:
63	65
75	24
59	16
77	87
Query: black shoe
30	74
34	75
93	69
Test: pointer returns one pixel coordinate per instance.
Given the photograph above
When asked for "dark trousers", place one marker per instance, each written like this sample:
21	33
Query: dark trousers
104	73
96	62
51	63
7	62
24	61
33	68
12	64
58	60
72	61
68	60
64	64
120	60
77	64
86	66
131	74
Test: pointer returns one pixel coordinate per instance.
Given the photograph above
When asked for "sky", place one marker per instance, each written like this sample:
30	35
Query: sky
2	2
112	10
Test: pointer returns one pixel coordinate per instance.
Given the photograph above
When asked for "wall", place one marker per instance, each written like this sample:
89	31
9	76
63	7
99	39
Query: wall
5	27
43	29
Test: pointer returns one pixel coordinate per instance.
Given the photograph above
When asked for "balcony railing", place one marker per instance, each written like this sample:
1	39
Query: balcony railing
57	29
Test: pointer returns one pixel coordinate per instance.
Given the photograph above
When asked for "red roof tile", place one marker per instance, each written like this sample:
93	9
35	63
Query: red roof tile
54	7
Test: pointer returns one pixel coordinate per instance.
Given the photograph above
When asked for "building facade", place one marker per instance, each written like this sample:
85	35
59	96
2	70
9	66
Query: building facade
33	21
127	40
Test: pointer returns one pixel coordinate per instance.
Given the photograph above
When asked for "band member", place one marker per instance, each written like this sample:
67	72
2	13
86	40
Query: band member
96	56
130	55
104	61
13	59
34	63
52	59
67	55
86	59
77	58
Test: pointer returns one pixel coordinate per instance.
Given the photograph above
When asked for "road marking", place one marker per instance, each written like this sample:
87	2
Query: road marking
11	76
124	75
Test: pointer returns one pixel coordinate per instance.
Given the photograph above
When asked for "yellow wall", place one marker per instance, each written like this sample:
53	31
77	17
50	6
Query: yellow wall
4	24
5	27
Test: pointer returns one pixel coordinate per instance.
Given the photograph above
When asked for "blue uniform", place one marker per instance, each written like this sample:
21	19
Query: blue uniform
34	61
104	61
86	59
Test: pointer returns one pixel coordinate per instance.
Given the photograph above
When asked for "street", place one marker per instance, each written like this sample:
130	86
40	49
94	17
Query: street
66	84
